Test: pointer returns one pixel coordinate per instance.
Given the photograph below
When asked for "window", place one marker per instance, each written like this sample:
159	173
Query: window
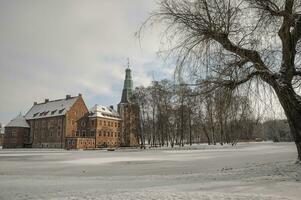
52	112
104	123
92	133
104	133
77	133
59	133
14	133
100	122
84	133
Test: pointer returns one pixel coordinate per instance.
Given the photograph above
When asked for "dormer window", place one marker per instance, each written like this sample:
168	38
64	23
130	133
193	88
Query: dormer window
60	111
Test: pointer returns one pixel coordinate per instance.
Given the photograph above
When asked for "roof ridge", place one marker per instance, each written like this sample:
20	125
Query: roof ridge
56	100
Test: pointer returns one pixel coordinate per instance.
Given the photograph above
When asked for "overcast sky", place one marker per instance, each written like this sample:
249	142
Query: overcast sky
56	47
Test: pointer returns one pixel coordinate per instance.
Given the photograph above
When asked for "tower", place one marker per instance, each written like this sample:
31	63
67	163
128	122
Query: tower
127	86
129	113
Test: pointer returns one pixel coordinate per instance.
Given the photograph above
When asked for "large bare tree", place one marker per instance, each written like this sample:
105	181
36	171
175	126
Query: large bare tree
244	40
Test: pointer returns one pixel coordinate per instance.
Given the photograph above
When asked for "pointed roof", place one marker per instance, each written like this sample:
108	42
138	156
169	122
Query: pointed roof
127	86
19	121
51	108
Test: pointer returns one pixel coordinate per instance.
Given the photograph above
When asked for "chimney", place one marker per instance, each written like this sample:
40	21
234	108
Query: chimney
46	100
68	96
35	103
112	107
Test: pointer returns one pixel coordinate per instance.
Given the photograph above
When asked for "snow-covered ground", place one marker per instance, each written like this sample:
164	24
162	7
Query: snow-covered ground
246	171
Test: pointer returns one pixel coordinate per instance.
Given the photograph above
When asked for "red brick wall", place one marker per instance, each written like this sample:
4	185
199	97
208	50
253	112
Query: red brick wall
15	137
80	143
130	125
106	131
47	132
74	116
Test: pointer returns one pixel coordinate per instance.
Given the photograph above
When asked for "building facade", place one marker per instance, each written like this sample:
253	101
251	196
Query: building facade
16	133
51	122
102	125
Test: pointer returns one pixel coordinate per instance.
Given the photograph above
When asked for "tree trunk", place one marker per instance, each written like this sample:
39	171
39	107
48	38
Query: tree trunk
291	103
190	127
206	134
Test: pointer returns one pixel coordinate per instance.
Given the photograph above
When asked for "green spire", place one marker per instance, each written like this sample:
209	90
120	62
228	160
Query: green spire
128	85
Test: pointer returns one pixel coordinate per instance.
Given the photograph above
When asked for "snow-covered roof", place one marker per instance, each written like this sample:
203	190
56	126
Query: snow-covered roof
19	121
103	111
51	108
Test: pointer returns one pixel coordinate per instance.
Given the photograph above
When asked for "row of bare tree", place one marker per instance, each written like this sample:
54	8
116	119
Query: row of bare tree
177	115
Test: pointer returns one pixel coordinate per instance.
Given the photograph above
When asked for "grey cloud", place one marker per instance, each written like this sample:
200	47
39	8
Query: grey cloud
51	48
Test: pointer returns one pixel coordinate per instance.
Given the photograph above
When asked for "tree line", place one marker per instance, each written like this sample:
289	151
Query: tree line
179	114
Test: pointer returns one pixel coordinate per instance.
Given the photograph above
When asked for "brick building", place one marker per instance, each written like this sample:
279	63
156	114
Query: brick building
105	124
16	133
129	113
64	123
100	128
51	122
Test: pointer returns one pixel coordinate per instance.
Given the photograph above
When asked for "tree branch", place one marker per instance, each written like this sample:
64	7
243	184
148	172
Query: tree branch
246	54
215	83
288	49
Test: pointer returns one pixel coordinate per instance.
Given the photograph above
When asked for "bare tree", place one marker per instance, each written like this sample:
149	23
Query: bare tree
249	40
